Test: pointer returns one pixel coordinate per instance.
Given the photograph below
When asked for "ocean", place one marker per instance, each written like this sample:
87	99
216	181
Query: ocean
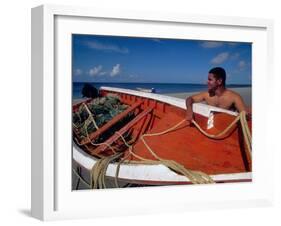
161	88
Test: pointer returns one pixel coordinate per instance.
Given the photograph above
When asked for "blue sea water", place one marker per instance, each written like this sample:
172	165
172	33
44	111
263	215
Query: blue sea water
161	88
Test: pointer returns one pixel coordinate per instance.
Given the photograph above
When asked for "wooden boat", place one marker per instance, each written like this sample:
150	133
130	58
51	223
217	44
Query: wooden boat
225	159
151	90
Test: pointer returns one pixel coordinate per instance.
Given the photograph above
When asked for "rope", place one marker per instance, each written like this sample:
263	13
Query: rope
245	129
131	148
84	125
220	134
90	116
80	178
99	144
196	177
246	133
98	171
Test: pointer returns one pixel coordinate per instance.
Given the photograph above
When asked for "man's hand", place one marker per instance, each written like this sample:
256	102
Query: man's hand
189	112
189	117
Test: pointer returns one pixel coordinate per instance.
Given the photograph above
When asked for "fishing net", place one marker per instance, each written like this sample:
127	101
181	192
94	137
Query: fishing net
91	116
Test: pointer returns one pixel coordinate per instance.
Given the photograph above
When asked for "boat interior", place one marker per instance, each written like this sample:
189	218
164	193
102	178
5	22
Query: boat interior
169	136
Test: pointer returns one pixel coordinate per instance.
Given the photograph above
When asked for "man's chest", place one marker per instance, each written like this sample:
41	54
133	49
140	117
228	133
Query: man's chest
222	102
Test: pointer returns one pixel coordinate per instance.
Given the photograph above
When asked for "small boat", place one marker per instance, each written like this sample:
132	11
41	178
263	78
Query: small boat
151	90
150	143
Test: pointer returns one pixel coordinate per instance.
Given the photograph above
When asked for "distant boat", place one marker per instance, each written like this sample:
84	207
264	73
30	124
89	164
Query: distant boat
151	143
152	90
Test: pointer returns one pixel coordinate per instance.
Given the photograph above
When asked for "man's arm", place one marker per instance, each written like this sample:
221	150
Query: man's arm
239	103
189	101
240	106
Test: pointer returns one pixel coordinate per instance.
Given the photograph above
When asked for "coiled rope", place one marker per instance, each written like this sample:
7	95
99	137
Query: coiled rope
98	171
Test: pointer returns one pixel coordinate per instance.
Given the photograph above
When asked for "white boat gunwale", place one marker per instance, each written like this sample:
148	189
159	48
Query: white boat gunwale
144	172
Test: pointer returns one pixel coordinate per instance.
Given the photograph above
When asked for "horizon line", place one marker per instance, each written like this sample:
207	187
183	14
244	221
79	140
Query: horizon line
162	83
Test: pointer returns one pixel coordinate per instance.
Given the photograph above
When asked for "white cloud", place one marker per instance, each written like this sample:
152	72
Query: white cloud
115	70
95	71
78	72
106	47
235	56
211	44
102	73
242	64
220	58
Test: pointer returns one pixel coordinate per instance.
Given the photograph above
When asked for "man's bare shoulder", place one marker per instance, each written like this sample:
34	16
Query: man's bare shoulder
198	97
237	100
232	94
202	94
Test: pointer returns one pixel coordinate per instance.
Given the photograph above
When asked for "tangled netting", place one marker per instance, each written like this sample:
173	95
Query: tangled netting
91	116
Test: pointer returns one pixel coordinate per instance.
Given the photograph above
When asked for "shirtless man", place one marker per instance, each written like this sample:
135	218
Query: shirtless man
217	95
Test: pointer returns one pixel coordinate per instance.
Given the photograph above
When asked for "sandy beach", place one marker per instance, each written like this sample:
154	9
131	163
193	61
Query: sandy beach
246	94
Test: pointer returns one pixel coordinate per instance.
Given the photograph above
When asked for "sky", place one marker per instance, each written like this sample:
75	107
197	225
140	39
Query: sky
97	58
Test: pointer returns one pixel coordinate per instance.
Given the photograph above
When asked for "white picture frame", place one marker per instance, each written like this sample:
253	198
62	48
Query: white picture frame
52	197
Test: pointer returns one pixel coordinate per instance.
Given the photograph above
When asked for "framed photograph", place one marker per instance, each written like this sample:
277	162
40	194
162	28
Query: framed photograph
155	112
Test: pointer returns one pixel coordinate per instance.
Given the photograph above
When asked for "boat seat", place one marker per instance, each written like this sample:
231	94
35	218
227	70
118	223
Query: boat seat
116	136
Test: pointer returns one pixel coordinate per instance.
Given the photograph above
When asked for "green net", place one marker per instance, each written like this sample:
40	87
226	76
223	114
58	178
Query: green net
91	116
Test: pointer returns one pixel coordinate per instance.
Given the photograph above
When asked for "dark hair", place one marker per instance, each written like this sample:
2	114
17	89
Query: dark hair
219	73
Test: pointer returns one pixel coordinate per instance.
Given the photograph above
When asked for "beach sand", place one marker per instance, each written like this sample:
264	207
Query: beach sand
245	93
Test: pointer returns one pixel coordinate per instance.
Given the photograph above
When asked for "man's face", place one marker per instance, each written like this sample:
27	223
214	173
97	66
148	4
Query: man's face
213	83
